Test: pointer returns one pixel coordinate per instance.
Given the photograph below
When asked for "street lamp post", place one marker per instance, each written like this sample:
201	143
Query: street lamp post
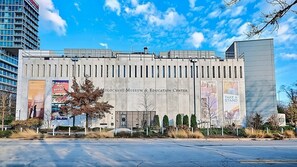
74	59
194	83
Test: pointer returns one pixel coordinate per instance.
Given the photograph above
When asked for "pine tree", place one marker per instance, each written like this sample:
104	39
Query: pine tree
193	121
84	99
178	120
186	120
165	121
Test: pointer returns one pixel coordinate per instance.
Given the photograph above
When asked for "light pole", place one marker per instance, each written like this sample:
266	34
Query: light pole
194	83
74	59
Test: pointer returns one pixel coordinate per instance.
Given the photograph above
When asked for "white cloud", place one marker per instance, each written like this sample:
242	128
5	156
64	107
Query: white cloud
214	14
244	29
113	5
77	6
196	39
147	8
104	45
240	10
289	56
50	17
168	19
192	3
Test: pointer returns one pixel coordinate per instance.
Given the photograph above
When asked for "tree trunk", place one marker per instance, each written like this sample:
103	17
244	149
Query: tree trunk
87	121
3	114
73	123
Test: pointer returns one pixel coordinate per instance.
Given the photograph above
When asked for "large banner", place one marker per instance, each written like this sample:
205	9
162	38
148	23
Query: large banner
231	100
36	94
209	100
58	98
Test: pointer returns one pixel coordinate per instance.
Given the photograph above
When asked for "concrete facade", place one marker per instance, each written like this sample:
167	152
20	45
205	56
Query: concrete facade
141	82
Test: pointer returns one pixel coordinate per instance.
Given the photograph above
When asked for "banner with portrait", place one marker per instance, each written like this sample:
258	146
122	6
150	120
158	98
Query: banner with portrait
36	94
231	100
59	96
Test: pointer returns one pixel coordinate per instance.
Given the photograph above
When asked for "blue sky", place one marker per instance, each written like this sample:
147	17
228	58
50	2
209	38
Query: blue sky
164	25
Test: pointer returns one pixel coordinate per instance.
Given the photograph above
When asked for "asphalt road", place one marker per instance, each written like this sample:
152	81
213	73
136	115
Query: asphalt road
147	152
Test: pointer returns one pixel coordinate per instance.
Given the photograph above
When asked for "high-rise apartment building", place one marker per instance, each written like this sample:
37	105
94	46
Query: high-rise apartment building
18	30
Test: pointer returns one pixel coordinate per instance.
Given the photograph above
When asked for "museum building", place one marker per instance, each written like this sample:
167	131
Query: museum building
219	91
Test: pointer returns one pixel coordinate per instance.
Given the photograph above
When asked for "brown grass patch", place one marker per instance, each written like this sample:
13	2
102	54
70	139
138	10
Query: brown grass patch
196	135
184	134
254	133
289	133
28	134
100	135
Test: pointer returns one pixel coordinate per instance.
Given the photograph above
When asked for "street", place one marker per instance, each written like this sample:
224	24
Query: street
147	152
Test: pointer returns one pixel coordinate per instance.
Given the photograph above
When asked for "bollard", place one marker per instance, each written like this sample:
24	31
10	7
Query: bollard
267	130
21	129
222	131
162	129
115	131
86	131
192	130
37	130
5	128
282	130
176	129
100	129
69	131
252	130
131	131
236	131
147	131
53	131
207	131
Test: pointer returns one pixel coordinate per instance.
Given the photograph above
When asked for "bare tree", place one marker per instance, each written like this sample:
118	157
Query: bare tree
208	107
147	106
269	19
4	106
291	111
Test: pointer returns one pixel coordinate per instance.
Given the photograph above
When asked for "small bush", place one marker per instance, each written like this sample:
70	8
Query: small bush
26	134
186	121
156	121
178	120
193	121
184	134
5	134
165	121
289	133
100	135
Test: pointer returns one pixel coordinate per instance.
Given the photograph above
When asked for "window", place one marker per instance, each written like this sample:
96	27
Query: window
186	72
78	70
96	72
49	70
207	71
61	70
140	71
158	71
152	71
213	72
130	71
197	74
191	67
235	72
67	70
73	71
84	70
101	71
37	70
224	71
135	71
202	71
112	71
230	72
32	70
180	72
55	70
106	71
163	71
219	71
169	71
240	71
119	70
124	71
